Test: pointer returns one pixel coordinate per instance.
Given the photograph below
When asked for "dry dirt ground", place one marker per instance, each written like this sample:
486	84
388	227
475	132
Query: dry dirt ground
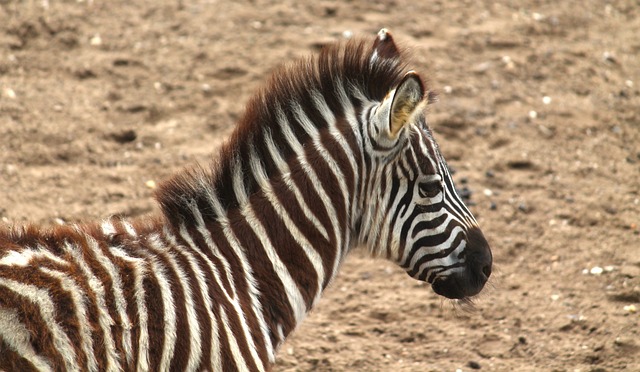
539	113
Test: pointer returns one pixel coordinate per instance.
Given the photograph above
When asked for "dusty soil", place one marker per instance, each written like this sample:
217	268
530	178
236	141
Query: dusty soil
99	99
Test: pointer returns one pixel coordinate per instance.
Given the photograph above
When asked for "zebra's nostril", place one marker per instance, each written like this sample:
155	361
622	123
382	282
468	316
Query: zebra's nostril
487	271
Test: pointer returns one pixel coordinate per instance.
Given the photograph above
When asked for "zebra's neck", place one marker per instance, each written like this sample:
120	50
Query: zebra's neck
285	197
282	231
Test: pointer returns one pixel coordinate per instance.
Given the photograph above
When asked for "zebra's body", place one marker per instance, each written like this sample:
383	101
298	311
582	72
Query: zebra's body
335	151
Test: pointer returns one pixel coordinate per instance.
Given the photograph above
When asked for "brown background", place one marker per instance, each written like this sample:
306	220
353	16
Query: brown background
99	97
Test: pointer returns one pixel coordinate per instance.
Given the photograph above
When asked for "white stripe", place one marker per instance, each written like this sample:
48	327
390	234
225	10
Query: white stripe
195	349
312	131
247	271
307	247
291	289
241	364
104	318
169	316
79	302
444	261
42	299
362	140
107	228
26	255
216	359
129	229
285	171
310	172
139	271
118	294
18	338
327	114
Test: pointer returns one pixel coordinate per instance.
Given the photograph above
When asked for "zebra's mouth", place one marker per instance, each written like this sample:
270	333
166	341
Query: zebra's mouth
460	285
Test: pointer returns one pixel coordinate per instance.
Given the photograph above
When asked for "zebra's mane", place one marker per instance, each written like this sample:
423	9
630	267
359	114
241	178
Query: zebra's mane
370	67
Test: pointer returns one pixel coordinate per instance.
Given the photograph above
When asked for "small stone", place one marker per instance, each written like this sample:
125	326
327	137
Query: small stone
596	270
555	297
487	192
631	309
9	93
609	57
533	114
481	68
96	40
546	100
151	184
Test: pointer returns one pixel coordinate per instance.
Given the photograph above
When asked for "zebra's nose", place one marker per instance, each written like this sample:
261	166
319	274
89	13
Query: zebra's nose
470	281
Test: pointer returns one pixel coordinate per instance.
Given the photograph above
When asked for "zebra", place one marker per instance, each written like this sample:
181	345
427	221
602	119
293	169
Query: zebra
333	152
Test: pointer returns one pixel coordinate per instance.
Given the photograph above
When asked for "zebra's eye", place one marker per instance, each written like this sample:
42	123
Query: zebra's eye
429	189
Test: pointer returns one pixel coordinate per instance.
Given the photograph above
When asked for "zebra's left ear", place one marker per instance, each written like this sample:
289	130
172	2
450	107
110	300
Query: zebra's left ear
408	95
384	46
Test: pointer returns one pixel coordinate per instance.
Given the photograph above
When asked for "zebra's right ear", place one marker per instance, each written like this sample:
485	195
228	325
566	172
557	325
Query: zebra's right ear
384	46
407	97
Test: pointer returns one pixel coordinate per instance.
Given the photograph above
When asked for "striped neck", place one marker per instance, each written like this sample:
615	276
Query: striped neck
282	201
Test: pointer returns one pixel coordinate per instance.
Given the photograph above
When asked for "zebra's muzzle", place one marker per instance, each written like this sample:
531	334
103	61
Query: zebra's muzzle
470	281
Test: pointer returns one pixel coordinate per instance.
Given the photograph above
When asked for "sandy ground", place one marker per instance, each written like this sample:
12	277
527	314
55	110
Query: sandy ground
539	113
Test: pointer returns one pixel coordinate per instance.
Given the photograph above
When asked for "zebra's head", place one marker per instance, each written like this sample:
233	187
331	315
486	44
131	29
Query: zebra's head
413	213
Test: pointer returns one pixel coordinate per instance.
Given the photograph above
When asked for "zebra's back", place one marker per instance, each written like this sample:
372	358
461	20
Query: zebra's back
110	297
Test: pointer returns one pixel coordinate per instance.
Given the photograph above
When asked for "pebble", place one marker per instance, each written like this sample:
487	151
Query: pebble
533	114
546	100
596	270
96	40
10	93
150	184
631	309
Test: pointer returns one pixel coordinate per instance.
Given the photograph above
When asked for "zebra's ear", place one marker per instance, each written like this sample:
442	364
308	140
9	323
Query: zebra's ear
384	46
408	95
